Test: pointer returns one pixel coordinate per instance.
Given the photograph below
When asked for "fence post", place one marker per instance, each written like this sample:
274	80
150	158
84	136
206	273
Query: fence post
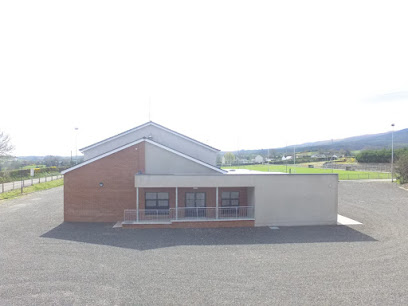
13	185
2	187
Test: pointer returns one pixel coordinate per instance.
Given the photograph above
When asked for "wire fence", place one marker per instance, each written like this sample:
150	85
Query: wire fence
5	187
384	167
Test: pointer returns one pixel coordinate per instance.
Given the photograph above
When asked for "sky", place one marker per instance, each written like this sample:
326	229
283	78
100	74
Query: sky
232	74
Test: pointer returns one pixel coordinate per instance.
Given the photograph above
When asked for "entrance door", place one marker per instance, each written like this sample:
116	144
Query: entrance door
195	204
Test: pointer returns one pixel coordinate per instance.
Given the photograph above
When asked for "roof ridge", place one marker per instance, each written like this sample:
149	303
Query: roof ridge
95	158
141	126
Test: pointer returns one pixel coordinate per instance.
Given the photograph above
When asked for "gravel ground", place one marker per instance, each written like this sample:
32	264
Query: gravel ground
46	261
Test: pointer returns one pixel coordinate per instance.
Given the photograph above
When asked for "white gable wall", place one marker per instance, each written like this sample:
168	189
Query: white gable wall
161	161
160	136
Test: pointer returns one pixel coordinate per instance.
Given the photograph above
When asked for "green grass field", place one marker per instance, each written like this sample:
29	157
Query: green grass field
34	166
343	174
30	189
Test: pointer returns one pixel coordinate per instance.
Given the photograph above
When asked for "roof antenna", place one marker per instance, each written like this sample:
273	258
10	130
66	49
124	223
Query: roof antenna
149	109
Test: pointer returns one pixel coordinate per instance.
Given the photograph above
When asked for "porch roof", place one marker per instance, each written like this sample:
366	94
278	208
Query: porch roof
237	180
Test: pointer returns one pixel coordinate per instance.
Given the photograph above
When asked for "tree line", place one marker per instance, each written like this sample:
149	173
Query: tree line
379	156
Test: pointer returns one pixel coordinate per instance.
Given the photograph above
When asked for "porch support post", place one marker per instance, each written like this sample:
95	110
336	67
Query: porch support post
216	203
176	203
137	204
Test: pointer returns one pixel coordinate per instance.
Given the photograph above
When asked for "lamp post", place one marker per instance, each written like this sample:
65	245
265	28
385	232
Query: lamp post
76	145
392	153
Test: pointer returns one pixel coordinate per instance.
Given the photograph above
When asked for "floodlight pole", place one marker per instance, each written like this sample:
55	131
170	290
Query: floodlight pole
76	145
392	153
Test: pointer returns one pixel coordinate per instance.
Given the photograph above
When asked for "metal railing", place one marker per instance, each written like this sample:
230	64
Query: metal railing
147	215
237	212
189	213
9	186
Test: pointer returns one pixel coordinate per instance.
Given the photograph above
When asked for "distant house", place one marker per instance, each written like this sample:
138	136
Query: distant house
152	177
319	156
286	157
259	159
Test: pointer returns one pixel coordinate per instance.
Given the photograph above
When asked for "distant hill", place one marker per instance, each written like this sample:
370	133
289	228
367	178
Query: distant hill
372	141
363	142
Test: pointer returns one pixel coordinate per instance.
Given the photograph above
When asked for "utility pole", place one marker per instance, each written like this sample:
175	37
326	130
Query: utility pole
21	178
76	145
392	153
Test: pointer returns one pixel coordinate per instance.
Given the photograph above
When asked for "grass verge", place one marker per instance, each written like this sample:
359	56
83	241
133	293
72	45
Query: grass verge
30	189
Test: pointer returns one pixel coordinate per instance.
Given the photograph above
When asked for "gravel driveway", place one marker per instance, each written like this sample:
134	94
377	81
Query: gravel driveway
46	261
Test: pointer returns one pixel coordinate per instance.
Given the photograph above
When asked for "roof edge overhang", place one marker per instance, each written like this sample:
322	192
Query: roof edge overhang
142	126
148	141
195	181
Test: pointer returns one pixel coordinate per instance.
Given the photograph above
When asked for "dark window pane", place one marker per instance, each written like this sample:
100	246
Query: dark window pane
235	202
200	195
163	195
234	195
200	203
225	194
190	195
151	195
150	203
163	203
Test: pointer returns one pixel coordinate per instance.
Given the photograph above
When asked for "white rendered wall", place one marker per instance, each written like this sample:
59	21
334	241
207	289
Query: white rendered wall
161	161
296	200
160	136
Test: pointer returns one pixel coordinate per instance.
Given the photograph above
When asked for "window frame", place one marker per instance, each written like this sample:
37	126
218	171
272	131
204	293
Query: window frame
195	199
156	200
229	199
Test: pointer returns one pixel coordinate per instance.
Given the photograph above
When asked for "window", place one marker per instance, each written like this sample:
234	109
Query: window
157	200
195	199
230	198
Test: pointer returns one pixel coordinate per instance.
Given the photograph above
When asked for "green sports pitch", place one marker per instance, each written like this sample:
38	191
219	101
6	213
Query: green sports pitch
299	169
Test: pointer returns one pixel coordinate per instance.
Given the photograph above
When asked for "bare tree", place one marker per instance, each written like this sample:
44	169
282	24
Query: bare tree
5	144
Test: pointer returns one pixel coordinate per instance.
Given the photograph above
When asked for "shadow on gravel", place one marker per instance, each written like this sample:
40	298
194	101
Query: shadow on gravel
147	239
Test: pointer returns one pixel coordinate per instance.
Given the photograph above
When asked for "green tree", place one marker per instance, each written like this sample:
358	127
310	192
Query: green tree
229	157
401	168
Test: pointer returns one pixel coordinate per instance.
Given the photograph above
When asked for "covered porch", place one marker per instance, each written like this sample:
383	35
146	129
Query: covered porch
173	201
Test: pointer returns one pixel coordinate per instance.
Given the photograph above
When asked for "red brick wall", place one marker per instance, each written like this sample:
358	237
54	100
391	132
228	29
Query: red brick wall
86	201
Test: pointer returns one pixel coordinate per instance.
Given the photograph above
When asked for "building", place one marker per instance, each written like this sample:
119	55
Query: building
259	159
151	176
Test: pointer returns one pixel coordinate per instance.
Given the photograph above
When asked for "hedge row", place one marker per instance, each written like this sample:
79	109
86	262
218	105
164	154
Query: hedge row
16	174
379	156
